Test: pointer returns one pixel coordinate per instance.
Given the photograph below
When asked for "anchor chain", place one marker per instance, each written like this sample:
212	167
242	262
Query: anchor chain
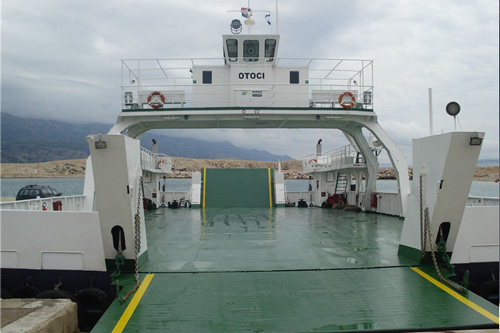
137	240
425	232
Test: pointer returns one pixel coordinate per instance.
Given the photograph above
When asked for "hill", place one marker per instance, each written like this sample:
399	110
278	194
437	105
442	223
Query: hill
26	140
183	167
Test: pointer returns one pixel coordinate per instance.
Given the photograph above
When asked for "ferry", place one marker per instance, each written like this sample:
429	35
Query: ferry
238	251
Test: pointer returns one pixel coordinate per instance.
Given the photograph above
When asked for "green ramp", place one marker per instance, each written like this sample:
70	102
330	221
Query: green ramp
237	188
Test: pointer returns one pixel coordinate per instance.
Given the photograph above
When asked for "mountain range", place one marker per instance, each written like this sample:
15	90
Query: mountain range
27	140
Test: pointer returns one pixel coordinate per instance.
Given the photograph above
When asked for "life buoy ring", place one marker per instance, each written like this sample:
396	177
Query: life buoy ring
313	161
156	99
350	100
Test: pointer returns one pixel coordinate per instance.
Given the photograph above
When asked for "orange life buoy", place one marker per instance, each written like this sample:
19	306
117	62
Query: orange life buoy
156	99
350	99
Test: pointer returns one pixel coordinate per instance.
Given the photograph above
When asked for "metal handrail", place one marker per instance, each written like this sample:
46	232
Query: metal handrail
155	162
325	76
73	203
339	158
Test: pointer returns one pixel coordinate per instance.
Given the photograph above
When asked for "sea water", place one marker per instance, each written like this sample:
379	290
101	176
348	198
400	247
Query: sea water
67	186
74	186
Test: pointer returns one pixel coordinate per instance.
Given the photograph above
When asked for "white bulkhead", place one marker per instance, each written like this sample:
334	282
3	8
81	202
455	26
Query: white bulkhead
250	76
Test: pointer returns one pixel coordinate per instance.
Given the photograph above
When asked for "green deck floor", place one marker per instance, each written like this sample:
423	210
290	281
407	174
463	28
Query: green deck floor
284	270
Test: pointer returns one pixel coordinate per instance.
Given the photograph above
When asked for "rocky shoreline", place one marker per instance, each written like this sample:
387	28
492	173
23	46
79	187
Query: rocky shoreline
183	167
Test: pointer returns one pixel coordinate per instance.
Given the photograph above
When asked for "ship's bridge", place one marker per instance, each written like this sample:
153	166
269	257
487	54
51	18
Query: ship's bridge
250	49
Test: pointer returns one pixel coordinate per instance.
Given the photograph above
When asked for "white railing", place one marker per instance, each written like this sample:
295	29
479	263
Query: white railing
327	79
387	202
343	157
75	203
155	162
481	201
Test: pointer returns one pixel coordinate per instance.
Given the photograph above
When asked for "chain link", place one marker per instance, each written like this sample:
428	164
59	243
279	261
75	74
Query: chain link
423	238
434	259
138	230
137	238
425	232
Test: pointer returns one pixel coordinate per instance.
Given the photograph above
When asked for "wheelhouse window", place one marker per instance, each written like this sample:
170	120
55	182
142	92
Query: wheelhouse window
232	49
251	50
207	77
294	77
270	49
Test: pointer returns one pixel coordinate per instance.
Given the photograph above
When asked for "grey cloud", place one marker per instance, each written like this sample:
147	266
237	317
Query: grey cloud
61	59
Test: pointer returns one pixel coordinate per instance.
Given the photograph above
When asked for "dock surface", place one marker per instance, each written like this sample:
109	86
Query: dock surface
285	270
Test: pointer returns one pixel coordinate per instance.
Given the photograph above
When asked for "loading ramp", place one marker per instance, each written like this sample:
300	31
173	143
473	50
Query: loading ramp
237	188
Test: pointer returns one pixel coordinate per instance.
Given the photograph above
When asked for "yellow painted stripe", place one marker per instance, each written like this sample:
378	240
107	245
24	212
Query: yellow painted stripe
459	297
129	311
204	185
270	191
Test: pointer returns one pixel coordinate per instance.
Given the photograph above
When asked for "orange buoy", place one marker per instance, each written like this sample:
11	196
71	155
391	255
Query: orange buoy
346	100
156	99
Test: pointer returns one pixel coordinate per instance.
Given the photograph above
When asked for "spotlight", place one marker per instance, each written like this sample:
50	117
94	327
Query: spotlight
475	141
100	144
236	26
453	108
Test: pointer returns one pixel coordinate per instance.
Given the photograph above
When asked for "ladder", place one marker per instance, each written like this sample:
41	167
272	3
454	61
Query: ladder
360	158
341	184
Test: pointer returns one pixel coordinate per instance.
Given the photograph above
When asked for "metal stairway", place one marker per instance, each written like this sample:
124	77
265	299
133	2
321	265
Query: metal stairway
341	184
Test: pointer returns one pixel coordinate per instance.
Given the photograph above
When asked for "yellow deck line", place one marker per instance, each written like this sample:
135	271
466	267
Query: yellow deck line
459	297
204	185
270	191
129	311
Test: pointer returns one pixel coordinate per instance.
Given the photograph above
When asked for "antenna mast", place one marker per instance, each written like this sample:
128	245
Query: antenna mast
431	127
248	13
277	26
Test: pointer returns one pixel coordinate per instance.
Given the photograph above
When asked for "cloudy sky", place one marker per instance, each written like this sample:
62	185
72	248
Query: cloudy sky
61	59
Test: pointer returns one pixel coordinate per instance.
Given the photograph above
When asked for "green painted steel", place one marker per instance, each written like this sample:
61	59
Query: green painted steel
230	108
285	270
233	239
416	255
237	187
129	264
393	298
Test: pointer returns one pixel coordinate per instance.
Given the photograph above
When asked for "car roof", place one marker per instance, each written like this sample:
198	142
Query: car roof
36	186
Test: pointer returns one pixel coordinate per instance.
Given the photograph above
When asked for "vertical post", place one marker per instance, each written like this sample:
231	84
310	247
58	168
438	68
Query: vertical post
270	188
204	186
277	27
431	129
